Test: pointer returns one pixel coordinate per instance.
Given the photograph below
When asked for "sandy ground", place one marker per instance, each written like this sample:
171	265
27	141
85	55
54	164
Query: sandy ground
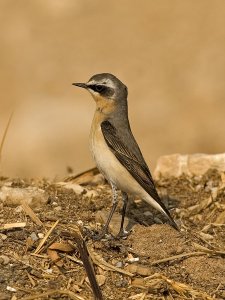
154	262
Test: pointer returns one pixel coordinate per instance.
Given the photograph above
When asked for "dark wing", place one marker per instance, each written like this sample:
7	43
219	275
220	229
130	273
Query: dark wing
135	165
138	169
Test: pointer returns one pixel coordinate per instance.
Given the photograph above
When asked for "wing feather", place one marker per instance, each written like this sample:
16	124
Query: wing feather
135	165
138	169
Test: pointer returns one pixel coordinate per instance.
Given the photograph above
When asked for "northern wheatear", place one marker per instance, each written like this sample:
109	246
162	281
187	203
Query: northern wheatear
115	150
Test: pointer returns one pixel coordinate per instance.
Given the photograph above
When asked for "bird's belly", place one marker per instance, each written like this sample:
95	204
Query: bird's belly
110	166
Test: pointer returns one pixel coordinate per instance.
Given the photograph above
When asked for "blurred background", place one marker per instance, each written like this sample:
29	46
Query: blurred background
170	54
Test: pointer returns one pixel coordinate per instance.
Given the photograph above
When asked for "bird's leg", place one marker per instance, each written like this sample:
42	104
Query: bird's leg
114	205
122	232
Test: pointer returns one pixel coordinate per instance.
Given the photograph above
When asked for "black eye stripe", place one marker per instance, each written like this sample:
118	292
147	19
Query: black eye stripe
98	88
103	90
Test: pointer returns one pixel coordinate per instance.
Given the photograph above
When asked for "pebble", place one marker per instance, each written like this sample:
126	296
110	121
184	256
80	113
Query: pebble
18	209
80	223
32	196
91	194
4	260
198	187
147	213
119	264
3	236
101	279
34	236
214	192
58	208
40	235
179	250
78	189
195	164
10	289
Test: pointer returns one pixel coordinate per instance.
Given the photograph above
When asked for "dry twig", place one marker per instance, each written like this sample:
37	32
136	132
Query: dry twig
45	238
75	232
28	210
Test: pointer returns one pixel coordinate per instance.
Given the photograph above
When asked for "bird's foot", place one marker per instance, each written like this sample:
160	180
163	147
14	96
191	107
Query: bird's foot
102	235
123	234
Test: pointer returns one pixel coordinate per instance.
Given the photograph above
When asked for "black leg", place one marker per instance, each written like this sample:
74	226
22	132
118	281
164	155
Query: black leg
115	203
122	232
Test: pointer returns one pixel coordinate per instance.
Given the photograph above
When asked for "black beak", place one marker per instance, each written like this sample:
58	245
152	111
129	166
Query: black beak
82	85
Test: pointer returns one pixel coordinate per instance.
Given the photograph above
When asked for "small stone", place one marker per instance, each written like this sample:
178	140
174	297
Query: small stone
34	236
78	189
58	208
80	223
10	289
91	194
101	279
3	236
4	260
214	192
19	209
121	283
138	282
192	165
119	264
49	271
198	187
32	196
40	235
147	213
179	250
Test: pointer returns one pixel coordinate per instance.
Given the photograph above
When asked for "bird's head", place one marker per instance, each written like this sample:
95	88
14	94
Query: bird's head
107	90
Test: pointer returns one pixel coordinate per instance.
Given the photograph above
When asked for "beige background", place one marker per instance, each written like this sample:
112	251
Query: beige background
170	54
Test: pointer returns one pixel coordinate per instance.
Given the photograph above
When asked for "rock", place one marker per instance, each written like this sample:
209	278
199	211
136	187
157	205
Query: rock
19	209
40	235
4	260
34	236
3	236
193	165
91	194
101	279
58	208
78	189
10	289
119	264
32	196
148	213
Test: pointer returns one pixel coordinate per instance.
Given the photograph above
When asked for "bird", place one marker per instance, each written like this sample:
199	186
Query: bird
115	150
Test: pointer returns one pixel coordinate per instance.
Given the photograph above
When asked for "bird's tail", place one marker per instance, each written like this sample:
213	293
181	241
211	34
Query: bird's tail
169	218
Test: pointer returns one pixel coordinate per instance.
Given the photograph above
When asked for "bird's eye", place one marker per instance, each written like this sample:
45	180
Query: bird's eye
99	88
